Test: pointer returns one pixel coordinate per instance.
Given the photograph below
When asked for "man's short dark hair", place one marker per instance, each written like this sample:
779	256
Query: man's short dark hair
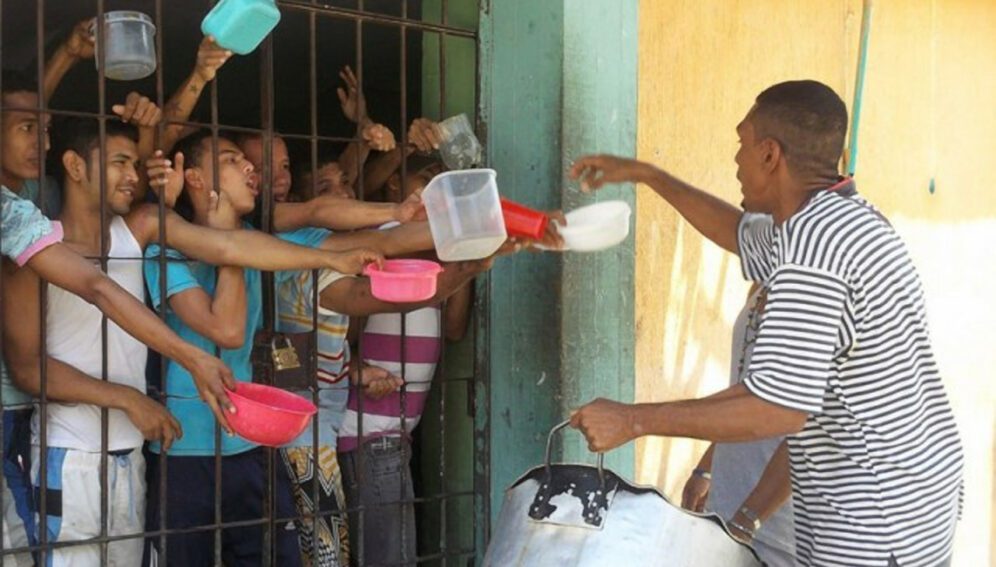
807	119
15	81
82	135
192	148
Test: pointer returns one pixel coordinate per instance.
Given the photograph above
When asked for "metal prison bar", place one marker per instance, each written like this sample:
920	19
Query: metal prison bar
313	10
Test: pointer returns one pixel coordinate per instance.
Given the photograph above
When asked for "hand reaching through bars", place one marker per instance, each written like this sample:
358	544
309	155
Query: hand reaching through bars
411	209
212	379
353	261
354	105
378	137
166	181
138	110
82	40
151	418
210	58
376	382
424	135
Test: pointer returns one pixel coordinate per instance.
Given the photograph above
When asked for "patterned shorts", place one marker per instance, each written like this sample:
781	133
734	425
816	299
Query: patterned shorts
324	541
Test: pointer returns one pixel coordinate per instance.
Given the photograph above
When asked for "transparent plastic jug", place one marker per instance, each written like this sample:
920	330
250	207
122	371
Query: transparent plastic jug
130	52
465	214
241	25
460	148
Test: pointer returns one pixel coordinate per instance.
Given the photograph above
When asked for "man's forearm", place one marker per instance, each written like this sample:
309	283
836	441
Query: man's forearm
774	487
335	214
65	383
380	170
179	108
739	417
716	219
55	69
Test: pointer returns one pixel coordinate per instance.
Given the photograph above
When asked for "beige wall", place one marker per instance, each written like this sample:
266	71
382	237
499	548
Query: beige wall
929	112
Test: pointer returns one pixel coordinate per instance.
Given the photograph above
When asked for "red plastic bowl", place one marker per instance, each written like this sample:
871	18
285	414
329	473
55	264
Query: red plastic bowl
403	281
523	221
267	415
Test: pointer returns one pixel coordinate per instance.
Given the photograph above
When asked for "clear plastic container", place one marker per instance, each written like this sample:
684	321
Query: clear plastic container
241	25
130	52
465	214
460	148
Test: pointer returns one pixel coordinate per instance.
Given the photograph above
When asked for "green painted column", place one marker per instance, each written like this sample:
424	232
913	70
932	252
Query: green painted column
558	80
518	349
597	290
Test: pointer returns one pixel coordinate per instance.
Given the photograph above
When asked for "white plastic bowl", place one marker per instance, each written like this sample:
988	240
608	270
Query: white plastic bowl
596	227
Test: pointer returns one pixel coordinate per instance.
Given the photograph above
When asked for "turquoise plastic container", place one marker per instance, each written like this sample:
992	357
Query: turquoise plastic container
240	25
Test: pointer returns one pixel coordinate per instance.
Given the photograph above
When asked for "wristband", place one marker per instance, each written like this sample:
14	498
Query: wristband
752	517
702	473
740	528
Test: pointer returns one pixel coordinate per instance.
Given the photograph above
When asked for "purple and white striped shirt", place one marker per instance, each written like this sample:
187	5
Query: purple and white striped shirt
381	346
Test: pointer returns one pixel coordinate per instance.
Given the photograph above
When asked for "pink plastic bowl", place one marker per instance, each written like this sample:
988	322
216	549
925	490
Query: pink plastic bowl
403	281
267	415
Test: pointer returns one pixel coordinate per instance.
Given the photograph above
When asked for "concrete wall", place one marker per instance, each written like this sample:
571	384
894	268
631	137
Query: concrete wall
929	114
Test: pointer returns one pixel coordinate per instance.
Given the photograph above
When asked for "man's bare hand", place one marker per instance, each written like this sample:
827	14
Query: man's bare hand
213	379
152	419
695	493
165	180
221	214
377	382
210	58
598	170
138	110
81	42
605	424
424	135
353	261
411	209
354	105
378	137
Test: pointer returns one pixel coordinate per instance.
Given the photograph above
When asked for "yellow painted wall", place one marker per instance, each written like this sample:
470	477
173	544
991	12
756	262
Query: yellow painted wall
929	112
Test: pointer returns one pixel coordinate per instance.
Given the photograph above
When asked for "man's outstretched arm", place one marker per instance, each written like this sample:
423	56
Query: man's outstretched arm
716	219
65	268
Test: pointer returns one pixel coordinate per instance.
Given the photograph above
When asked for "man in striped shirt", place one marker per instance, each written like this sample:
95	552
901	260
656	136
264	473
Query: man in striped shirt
842	362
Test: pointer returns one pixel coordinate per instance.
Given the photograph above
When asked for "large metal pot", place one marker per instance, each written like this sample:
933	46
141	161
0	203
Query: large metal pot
561	515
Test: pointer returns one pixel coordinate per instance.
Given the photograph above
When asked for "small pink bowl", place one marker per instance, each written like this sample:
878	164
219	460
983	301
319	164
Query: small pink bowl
403	281
267	415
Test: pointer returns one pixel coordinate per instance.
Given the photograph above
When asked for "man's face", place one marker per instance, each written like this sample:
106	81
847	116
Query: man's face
331	181
236	177
280	164
753	178
416	181
121	174
22	155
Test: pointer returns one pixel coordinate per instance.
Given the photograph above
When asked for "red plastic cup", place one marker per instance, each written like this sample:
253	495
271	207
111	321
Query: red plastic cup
523	221
403	281
268	416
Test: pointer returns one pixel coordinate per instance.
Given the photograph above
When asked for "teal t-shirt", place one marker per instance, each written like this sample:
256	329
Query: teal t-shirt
182	398
26	231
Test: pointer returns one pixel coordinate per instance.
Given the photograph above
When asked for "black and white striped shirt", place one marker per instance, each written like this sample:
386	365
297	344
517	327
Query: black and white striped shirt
877	469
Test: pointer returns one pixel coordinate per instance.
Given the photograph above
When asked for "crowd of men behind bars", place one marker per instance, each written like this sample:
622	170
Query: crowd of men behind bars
200	262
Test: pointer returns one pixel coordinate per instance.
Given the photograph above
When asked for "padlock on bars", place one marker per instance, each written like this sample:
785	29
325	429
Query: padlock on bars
285	357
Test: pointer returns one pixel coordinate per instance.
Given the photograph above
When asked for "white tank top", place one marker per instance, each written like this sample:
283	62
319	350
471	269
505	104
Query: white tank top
74	337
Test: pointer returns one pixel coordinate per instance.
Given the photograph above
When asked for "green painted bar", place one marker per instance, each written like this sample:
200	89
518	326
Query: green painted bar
600	106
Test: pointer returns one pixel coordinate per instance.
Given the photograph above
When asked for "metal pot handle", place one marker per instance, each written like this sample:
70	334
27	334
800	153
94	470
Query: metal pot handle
549	452
594	506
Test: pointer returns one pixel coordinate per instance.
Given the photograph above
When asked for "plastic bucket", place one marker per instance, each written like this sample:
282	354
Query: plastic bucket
403	281
130	50
267	415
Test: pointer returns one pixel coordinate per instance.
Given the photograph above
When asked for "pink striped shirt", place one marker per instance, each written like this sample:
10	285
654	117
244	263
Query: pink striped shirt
381	346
